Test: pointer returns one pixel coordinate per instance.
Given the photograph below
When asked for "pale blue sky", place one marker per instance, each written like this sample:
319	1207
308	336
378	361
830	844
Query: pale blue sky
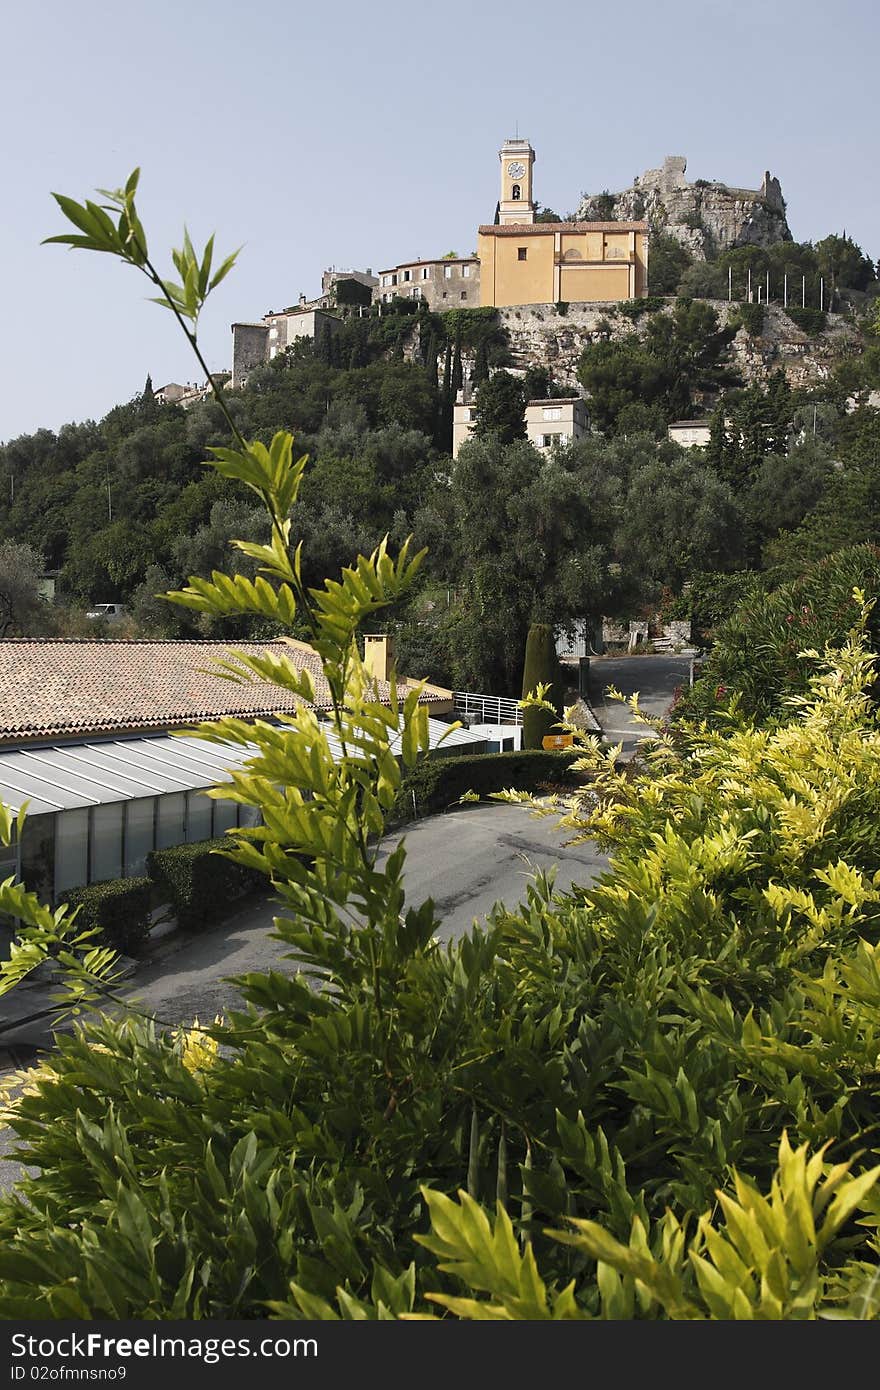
363	135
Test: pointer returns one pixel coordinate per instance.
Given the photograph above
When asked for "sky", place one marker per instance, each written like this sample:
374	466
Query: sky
359	136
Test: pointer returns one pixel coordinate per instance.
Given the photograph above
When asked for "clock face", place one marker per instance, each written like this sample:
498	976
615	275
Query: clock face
516	170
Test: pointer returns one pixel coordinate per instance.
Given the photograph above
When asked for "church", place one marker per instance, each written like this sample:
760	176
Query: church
523	261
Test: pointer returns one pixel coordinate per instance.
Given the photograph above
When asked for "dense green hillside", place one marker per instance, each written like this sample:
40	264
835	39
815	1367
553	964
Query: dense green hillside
616	524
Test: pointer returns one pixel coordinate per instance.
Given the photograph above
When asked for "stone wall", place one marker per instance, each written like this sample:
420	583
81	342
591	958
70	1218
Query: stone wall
542	337
250	348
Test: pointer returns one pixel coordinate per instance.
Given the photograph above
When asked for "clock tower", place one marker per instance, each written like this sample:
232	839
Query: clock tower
516	205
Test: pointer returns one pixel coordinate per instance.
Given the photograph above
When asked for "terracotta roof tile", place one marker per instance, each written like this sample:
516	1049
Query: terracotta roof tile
549	228
52	688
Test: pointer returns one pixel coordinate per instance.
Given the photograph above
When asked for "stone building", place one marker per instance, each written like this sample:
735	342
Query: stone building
451	282
256	343
334	275
523	261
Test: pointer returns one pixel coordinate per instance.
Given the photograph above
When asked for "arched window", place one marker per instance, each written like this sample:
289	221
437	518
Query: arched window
515	193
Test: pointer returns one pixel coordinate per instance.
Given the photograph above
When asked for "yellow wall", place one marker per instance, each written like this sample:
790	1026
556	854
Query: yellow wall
514	281
593	266
595	282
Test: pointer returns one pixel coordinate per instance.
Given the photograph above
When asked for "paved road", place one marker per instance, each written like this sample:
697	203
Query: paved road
467	861
654	676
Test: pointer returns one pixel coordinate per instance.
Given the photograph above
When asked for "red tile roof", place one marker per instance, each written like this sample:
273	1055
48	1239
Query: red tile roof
52	688
549	228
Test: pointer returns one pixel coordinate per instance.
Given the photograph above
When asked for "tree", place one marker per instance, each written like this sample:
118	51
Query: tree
541	675
844	265
669	261
499	408
22	608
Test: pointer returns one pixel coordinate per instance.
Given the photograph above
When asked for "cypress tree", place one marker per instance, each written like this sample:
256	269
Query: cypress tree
481	363
457	374
541	667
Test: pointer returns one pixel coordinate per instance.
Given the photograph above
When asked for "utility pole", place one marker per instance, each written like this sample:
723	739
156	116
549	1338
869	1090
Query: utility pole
785	290
729	283
749	287
767	295
821	292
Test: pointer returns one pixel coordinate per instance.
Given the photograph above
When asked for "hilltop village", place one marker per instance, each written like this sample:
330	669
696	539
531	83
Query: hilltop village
558	285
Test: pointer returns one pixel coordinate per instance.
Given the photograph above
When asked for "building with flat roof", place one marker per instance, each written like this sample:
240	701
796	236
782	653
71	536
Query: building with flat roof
690	434
557	420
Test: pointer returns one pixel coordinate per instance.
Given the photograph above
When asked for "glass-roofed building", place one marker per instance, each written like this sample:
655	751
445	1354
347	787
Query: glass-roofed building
87	741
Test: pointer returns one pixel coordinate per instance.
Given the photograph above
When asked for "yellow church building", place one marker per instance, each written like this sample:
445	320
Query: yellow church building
527	262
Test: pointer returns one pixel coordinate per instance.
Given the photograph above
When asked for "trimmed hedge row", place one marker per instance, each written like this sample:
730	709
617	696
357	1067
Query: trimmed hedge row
198	882
119	908
439	783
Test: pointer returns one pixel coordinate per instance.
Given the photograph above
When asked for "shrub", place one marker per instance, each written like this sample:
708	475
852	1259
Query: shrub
540	667
757	655
439	784
635	308
199	881
750	317
809	320
119	908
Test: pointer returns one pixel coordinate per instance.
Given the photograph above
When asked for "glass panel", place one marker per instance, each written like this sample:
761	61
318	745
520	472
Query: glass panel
198	816
38	855
249	815
225	816
106	849
139	817
169	820
71	850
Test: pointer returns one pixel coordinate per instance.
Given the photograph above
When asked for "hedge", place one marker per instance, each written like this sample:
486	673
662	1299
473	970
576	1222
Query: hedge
439	783
200	883
119	908
808	319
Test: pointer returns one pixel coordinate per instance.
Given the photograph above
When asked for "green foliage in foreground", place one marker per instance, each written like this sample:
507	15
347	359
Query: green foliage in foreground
663	1086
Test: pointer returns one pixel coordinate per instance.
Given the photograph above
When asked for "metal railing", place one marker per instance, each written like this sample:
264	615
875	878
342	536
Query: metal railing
486	709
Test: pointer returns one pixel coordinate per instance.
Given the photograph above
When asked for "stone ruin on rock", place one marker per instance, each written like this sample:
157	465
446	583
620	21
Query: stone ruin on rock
706	218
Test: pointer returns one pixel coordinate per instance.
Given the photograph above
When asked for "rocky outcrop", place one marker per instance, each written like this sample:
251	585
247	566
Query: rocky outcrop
706	218
539	336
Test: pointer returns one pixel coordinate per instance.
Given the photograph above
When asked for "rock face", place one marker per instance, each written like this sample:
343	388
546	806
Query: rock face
706	218
539	336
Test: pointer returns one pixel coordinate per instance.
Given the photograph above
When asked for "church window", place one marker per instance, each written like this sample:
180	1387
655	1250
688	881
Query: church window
516	193
522	253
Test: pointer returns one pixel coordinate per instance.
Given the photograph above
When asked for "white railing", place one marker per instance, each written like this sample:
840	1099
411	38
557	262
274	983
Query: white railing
486	709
